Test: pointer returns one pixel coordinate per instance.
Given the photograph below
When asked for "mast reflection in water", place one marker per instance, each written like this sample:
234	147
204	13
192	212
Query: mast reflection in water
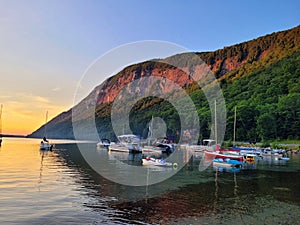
59	187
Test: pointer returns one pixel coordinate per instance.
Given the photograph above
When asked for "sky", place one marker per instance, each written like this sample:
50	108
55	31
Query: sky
46	46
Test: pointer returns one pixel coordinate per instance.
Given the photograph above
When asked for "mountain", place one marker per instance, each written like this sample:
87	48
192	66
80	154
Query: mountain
258	76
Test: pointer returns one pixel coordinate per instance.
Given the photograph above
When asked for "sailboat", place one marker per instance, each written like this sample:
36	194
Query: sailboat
45	145
221	157
1	124
160	144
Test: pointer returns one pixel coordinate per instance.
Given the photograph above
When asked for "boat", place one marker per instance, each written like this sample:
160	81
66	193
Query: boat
149	161
282	158
220	162
164	146
241	148
128	143
104	143
45	145
217	155
208	142
250	158
227	151
157	143
220	153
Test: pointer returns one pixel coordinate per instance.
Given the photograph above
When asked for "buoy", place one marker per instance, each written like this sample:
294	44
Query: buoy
175	166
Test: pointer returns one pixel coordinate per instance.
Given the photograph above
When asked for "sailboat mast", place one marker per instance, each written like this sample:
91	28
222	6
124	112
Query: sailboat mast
45	131
216	128
234	125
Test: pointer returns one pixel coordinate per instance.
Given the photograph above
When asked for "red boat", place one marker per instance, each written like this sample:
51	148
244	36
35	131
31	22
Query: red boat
227	151
216	155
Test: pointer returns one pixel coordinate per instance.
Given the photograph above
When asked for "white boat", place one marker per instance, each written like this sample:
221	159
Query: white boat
104	143
157	162
128	143
208	142
45	145
157	143
282	158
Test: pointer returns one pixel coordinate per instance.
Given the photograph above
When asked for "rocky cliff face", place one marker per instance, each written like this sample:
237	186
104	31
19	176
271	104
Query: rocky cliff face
227	64
228	61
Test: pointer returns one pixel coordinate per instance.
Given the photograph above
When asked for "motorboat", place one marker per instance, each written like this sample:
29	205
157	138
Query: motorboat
128	143
250	158
104	143
220	162
217	155
149	161
45	146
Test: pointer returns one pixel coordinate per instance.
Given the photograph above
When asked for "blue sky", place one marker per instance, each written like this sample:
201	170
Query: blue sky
45	46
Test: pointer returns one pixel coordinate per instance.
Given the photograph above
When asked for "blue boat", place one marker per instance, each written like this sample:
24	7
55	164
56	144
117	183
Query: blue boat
227	163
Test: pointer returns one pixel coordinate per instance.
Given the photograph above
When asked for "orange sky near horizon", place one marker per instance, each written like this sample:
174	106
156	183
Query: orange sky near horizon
22	118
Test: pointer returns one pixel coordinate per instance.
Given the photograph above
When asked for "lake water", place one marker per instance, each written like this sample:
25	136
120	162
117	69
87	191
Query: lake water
59	187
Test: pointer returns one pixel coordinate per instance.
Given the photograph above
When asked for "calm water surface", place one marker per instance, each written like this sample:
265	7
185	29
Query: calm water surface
59	187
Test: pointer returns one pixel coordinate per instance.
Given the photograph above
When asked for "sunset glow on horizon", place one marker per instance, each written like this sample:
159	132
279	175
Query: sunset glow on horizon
22	118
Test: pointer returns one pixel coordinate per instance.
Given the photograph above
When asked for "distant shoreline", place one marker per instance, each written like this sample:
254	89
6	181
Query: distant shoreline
13	135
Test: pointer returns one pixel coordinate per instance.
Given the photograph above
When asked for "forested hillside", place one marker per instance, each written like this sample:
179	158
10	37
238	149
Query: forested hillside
259	77
267	102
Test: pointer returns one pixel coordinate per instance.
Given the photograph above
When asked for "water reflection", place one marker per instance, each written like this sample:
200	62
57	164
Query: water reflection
60	187
189	188
226	169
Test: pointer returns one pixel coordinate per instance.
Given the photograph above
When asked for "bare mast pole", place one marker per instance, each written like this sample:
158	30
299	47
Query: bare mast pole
234	126
45	131
216	127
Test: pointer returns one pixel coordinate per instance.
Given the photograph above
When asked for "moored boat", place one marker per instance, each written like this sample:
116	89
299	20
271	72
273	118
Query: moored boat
45	146
157	162
284	158
250	158
128	143
216	155
220	162
104	143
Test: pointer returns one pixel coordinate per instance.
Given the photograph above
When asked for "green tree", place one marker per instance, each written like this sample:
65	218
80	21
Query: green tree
289	115
266	126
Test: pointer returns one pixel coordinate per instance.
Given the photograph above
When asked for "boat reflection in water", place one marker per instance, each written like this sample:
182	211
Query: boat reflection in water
227	169
190	188
126	163
60	187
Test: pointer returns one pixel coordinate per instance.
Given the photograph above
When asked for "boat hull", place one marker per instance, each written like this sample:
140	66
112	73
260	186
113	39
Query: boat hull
122	148
46	146
216	155
220	164
156	162
228	163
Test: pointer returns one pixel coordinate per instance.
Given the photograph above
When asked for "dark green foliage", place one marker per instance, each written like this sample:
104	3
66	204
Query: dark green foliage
268	102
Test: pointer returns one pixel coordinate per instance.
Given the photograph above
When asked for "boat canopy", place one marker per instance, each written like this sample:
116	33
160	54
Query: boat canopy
209	142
